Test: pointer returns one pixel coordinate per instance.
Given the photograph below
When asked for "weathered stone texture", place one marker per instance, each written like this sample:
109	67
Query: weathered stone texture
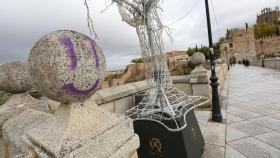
268	15
83	130
242	44
270	45
14	131
67	66
18	103
14	77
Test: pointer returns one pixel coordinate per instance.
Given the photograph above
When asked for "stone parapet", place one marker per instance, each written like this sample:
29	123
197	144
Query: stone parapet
268	63
121	98
269	47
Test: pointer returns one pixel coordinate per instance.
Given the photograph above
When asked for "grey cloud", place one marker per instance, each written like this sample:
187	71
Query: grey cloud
24	22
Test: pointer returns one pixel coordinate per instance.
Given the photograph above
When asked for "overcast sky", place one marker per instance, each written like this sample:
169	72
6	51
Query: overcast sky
23	22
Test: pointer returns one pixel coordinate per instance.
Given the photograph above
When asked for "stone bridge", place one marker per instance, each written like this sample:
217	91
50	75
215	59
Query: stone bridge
250	98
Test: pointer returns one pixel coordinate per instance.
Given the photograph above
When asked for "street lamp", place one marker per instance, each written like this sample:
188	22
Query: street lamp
262	56
216	108
227	57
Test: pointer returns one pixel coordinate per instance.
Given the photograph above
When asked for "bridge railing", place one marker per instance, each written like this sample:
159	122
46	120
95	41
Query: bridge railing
268	63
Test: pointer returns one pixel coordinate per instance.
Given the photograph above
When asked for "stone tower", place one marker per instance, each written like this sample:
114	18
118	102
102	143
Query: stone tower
239	43
268	16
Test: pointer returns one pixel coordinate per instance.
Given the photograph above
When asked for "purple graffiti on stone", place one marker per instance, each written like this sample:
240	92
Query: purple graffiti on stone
70	51
77	92
94	52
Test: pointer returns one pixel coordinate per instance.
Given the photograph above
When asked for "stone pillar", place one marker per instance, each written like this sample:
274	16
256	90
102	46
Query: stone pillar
79	128
199	78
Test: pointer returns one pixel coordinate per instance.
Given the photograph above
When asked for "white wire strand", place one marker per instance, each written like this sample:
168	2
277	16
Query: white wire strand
185	15
215	18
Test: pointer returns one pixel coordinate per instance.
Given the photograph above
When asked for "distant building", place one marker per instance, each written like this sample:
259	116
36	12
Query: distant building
268	16
239	44
176	56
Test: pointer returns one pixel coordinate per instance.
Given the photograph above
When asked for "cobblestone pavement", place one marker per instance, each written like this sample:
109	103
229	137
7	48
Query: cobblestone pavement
253	113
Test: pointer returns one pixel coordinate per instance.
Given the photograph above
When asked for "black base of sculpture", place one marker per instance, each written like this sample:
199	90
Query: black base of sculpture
157	142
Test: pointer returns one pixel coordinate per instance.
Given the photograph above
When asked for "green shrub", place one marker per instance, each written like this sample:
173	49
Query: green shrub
264	30
137	60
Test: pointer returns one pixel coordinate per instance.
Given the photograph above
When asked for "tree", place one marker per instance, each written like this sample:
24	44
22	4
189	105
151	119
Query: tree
217	49
137	60
264	30
205	50
191	51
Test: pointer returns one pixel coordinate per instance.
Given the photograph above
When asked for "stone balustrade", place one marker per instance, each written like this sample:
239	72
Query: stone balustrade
118	99
268	63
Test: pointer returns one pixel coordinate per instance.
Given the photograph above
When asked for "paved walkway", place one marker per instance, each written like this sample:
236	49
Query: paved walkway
253	113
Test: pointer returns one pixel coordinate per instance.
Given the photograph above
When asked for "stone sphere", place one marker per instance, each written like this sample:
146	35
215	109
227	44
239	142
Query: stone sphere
198	58
14	77
67	66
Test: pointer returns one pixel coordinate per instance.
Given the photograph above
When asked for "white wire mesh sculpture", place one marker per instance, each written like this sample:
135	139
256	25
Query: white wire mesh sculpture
162	101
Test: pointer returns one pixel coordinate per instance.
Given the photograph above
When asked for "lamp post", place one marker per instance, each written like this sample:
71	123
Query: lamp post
216	108
227	57
262	56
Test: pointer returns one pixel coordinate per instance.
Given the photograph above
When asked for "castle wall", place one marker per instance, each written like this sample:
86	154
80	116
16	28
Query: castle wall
245	46
135	72
240	44
270	46
268	15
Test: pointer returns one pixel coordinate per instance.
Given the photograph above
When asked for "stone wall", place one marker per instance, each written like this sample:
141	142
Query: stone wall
240	44
268	63
270	45
243	45
134	72
118	99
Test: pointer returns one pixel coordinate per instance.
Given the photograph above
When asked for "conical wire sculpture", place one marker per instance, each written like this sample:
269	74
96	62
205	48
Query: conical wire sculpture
162	101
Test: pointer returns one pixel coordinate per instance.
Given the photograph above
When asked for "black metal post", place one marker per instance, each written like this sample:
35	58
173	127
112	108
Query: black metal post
262	56
216	108
227	57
